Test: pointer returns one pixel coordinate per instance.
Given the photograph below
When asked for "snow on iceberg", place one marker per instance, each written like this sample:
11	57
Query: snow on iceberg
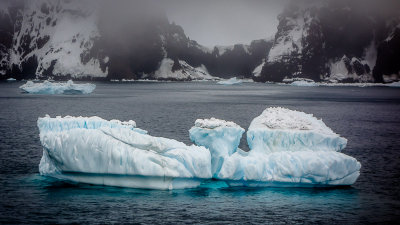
287	148
280	129
221	137
96	151
48	87
230	81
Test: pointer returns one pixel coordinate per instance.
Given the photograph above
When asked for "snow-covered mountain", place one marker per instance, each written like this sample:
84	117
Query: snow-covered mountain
63	39
331	40
84	40
51	38
334	41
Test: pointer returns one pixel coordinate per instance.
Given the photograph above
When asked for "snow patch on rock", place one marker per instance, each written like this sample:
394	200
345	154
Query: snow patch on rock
185	72
59	38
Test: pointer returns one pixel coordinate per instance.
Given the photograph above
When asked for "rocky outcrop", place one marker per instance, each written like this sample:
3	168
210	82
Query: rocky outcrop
328	41
387	68
239	60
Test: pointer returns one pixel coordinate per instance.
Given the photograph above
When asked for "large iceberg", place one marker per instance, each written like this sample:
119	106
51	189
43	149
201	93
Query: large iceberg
97	151
287	148
48	87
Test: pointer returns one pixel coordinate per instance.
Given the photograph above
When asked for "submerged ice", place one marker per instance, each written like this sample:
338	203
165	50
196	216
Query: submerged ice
48	87
97	151
287	148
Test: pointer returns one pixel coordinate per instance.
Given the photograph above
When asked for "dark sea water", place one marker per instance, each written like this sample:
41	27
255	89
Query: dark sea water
368	117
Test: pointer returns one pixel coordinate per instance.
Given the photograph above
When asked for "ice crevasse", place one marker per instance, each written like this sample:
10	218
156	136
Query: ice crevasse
96	151
287	148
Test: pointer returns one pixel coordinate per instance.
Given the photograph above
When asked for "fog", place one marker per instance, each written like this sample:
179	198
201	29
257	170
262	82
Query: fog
217	22
225	22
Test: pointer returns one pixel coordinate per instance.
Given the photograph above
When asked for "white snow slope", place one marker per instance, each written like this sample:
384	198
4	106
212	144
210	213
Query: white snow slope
187	72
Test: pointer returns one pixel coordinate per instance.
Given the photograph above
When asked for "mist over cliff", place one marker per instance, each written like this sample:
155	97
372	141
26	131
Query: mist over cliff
336	41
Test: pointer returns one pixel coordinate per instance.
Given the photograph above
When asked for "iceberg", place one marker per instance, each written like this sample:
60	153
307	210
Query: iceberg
11	79
48	87
303	83
287	148
394	84
230	81
96	151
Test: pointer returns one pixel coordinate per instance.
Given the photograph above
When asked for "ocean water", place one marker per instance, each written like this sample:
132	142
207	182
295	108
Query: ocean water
368	117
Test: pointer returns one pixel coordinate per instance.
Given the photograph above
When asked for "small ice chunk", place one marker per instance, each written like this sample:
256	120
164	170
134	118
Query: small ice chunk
303	83
48	87
230	81
394	84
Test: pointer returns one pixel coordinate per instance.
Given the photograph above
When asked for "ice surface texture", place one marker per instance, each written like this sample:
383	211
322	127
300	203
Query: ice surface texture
280	129
48	87
93	150
287	148
221	137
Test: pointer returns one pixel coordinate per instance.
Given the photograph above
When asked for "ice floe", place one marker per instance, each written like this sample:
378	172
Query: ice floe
48	87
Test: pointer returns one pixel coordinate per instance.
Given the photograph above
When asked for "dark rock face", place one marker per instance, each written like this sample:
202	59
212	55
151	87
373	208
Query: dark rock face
7	21
388	60
239	60
327	40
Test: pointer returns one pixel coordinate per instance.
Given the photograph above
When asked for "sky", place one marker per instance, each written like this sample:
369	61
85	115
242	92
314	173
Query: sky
225	22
